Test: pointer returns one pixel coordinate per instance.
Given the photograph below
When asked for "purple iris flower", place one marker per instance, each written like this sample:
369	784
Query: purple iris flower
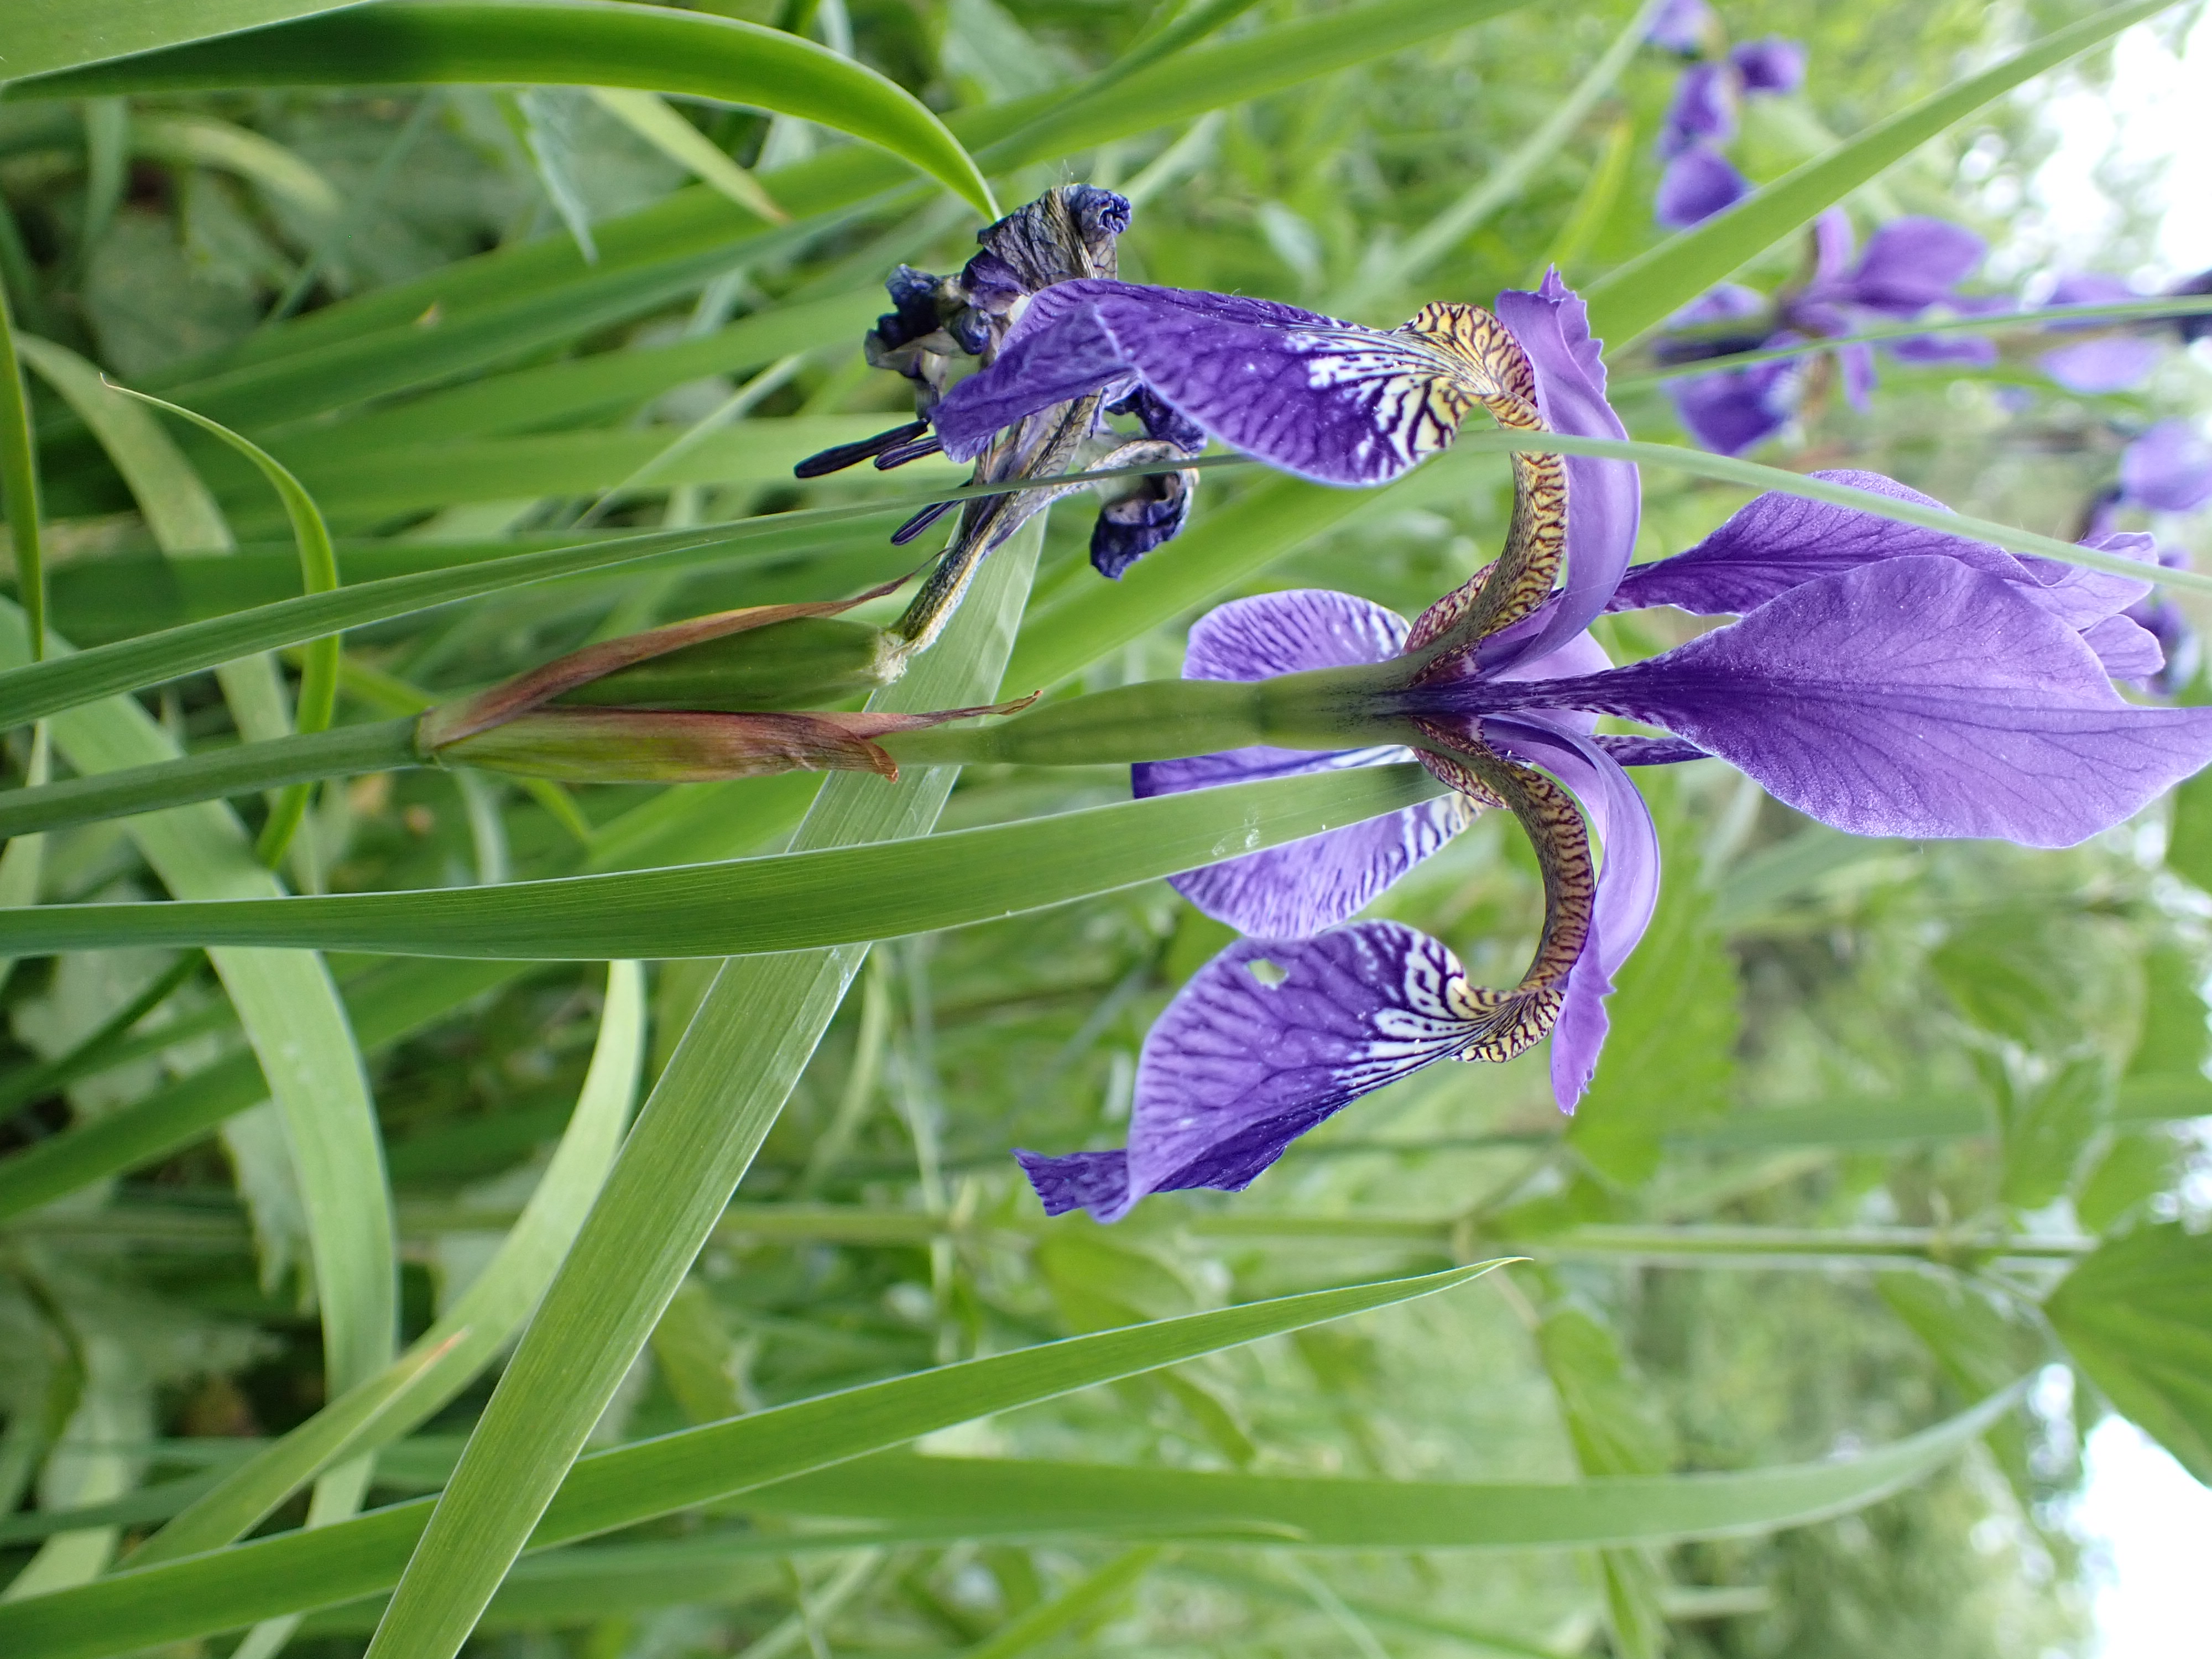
1066	234
1909	267
1699	180
2111	362
1328	400
2167	469
1882	678
1681	26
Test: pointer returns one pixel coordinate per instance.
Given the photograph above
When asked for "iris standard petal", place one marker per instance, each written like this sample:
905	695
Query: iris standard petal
2168	468
1265	1042
1916	697
1325	399
1698	184
1298	890
1911	263
1605	498
1627	885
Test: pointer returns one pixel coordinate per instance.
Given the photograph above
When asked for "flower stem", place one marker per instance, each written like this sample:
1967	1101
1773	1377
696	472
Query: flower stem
1165	720
246	769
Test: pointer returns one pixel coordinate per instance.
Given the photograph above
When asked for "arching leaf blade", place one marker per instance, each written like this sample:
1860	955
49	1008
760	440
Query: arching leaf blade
555	42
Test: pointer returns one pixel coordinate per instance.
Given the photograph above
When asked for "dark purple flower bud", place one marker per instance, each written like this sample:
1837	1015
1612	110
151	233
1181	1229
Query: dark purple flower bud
2167	469
1773	64
1698	184
1133	525
1681	26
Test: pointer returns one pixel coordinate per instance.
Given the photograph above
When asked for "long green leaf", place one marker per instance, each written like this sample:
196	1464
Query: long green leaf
205	1594
556	43
796	901
469	1333
1630	300
974	1498
43	38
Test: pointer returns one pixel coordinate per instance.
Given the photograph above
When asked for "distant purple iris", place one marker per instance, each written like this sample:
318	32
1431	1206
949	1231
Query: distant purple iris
1701	117
2121	356
1884	679
2167	469
1910	266
1680	26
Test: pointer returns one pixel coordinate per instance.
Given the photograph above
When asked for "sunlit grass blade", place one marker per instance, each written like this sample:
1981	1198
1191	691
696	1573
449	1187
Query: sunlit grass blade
571	43
319	573
221	1591
653	121
1632	299
798	900
44	38
720	1093
201	141
470	1332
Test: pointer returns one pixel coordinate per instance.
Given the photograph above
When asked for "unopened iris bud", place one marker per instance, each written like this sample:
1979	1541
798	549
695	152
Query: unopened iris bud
718	696
677	746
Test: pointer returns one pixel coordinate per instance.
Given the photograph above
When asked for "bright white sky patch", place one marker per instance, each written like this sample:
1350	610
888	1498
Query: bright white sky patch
2155	1523
2156	118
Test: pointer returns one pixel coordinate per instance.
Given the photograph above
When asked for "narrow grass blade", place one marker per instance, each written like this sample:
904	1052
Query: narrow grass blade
715	1102
556	43
1630	300
22	861
976	1497
653	121
446	1357
19	481
224	1590
803	900
1093	1597
201	141
319	573
1413	260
